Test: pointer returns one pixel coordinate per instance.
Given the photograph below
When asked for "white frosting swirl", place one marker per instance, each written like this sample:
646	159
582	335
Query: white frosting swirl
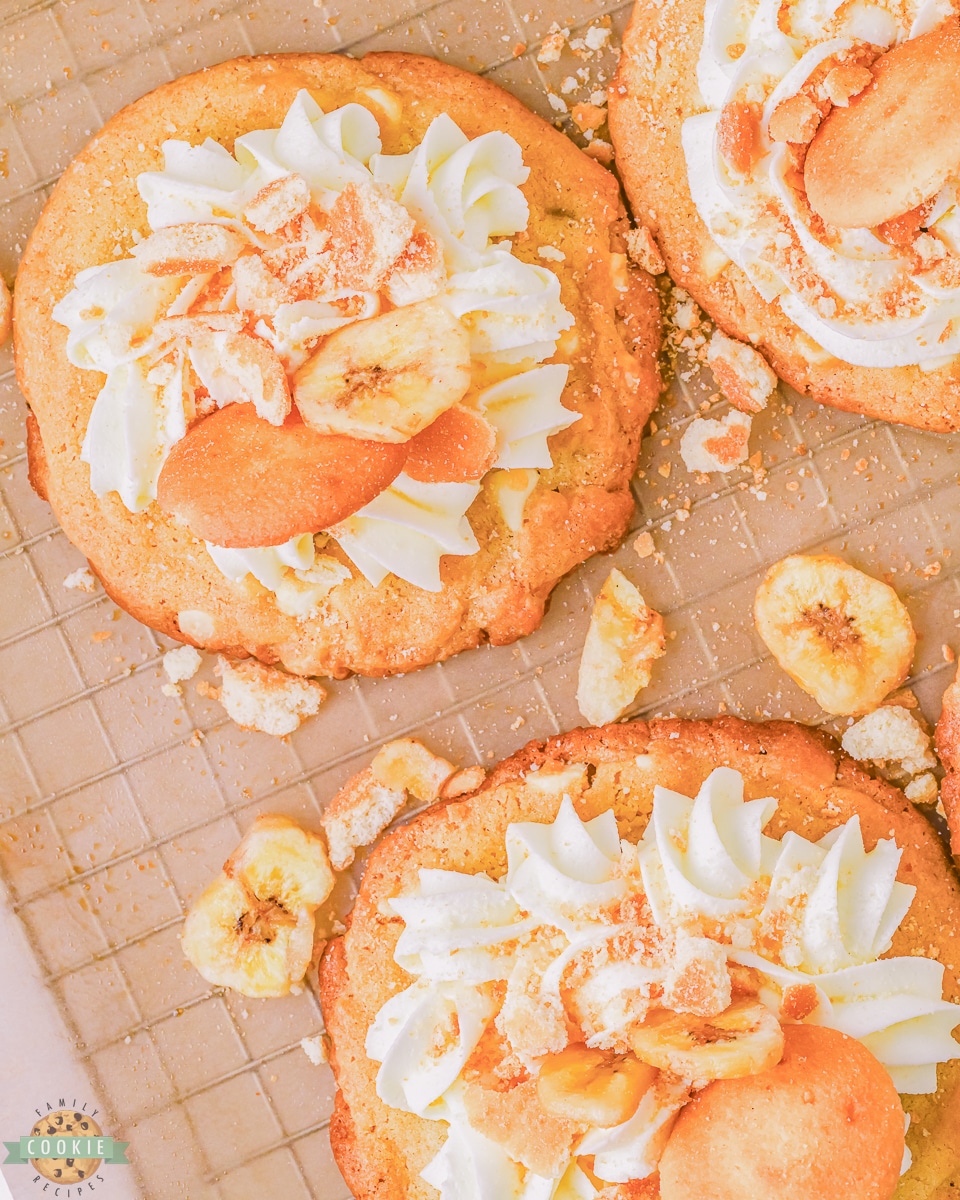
511	308
564	873
299	577
861	299
569	929
408	528
832	904
702	856
465	192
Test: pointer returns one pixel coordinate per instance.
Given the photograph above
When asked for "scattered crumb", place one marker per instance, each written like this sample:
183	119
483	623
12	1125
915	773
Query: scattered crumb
644	251
82	579
101	635
742	373
552	46
716	445
315	1049
623	640
588	116
172	689
259	697
207	690
891	735
600	150
643	545
948	653
596	37
923	789
181	663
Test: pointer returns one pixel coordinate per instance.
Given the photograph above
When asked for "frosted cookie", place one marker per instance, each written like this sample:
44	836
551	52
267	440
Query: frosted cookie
559	985
798	165
301	385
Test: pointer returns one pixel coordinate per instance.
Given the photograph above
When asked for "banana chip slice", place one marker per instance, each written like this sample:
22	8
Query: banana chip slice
743	1040
843	636
387	378
252	929
590	1088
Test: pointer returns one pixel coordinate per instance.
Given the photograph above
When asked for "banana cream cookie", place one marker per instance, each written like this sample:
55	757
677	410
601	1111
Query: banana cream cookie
679	959
798	163
340	364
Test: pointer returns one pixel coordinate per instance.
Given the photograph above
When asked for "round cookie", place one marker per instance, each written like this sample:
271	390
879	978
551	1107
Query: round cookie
156	569
381	1150
654	92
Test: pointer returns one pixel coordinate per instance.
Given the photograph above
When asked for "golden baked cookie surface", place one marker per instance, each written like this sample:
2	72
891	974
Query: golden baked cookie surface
158	569
654	94
382	1150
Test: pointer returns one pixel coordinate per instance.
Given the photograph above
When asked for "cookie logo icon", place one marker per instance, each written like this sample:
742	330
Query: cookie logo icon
66	1147
66	1123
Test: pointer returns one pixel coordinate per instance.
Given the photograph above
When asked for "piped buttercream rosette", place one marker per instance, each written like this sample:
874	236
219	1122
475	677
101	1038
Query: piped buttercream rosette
590	933
179	338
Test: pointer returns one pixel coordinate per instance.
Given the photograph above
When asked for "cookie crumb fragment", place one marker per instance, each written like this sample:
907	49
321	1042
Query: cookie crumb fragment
644	251
263	698
892	735
600	150
716	445
367	803
82	580
923	789
624	639
552	45
846	81
194	248
744	375
643	545
463	782
315	1048
357	815
278	203
407	765
588	116
182	663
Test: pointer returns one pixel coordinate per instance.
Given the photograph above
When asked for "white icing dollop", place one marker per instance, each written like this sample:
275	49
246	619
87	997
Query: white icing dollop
703	856
565	872
300	578
525	409
422	1037
127	441
464	192
408	528
833	904
855	295
511	308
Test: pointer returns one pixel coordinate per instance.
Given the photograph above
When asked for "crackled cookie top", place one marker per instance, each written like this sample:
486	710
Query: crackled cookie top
368	296
811	117
560	1017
